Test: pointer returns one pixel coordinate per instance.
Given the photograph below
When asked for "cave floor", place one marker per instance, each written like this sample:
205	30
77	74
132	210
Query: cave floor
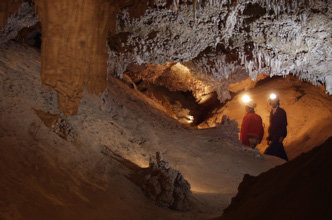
55	167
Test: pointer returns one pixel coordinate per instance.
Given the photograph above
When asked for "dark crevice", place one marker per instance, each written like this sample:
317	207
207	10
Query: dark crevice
31	36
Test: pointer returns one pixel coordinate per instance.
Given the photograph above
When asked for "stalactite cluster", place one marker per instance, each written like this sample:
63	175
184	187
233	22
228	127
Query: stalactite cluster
273	37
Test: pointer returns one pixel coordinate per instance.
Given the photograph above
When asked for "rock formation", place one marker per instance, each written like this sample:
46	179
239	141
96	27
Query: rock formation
229	41
225	40
22	15
299	189
163	185
166	186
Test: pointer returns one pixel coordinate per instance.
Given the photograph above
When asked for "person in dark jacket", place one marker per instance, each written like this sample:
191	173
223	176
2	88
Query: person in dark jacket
252	130
277	129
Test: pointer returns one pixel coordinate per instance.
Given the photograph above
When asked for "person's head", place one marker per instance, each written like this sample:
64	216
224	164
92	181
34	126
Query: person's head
273	100
250	106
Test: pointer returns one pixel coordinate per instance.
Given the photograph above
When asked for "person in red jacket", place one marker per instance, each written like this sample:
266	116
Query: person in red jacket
252	130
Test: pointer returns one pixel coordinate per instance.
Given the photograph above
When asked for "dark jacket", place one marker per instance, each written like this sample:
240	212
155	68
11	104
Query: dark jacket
278	125
252	126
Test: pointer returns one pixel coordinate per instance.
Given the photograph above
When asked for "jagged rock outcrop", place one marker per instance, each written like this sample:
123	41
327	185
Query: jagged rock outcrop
163	185
14	17
299	189
166	186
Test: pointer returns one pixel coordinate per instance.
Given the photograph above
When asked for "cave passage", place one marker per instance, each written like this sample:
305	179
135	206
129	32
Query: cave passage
191	101
77	143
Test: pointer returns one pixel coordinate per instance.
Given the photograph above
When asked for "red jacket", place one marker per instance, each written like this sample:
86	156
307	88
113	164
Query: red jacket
252	126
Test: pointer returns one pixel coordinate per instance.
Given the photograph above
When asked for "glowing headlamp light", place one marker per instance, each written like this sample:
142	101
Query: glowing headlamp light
273	96
246	98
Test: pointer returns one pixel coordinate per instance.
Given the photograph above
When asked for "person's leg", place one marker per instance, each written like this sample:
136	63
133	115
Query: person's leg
281	152
276	149
271	149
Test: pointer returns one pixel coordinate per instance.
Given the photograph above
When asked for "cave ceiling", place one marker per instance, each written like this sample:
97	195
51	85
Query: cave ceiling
219	42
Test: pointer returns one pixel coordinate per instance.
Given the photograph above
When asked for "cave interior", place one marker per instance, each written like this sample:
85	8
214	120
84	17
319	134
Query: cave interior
132	109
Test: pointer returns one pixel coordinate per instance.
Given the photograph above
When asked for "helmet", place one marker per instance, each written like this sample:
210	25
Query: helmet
251	104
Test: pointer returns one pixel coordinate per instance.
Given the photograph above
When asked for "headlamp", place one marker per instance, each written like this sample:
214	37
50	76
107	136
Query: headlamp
273	96
246	98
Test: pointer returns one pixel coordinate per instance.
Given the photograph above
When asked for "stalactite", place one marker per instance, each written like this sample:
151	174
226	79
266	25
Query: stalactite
75	54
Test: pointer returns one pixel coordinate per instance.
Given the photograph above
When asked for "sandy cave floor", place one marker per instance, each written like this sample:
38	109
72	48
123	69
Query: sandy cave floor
59	171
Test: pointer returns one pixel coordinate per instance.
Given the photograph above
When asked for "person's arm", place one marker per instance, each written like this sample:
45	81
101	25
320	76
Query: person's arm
284	131
283	126
261	131
244	131
268	138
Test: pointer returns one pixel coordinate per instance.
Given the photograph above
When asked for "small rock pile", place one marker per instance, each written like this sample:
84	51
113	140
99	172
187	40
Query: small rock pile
166	186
